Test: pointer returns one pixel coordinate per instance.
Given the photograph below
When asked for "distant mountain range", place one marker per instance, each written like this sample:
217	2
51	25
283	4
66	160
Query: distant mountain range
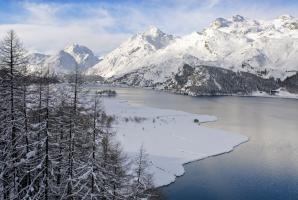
235	55
65	61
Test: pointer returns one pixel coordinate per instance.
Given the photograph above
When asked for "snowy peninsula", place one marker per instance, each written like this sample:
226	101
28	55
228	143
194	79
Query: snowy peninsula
171	138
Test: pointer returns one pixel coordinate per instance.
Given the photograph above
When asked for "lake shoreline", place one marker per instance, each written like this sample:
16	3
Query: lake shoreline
254	94
212	156
181	141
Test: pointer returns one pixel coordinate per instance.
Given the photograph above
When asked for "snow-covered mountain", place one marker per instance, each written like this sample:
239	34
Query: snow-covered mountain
65	61
36	61
82	55
264	48
129	55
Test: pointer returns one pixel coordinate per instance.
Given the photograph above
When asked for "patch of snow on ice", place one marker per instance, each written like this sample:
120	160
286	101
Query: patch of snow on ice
171	138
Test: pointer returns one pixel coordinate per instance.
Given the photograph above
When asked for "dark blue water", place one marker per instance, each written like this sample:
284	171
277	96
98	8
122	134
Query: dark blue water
265	168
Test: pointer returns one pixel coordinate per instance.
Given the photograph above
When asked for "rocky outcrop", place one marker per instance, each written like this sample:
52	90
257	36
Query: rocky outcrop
291	83
206	80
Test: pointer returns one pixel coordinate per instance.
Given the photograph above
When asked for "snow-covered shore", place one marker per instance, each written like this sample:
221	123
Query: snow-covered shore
280	94
171	138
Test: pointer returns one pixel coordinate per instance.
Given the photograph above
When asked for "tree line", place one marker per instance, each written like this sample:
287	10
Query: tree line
53	146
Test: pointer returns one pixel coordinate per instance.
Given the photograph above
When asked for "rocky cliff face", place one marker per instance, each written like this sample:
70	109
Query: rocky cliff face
204	80
291	83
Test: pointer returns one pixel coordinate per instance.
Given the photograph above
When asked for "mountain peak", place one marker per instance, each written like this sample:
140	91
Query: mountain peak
237	43
153	31
220	22
77	49
238	18
286	17
83	55
153	36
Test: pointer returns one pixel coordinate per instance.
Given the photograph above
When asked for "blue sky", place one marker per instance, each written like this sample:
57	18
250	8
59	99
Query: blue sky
47	26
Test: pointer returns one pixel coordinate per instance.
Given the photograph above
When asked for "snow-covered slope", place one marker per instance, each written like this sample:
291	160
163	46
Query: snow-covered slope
130	54
62	62
83	56
265	48
36	61
65	61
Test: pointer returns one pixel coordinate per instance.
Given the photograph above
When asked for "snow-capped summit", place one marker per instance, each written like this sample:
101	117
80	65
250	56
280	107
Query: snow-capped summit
153	31
238	18
131	53
236	25
268	48
76	49
60	63
156	37
153	39
286	17
36	60
220	22
83	56
285	22
64	61
240	25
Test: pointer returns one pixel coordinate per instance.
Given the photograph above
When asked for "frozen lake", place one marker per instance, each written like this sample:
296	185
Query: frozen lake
264	168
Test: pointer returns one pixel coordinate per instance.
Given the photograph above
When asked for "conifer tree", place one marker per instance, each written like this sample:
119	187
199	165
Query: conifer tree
13	130
142	178
54	147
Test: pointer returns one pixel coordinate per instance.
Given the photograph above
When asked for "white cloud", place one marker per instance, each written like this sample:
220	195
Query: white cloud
49	39
43	31
40	13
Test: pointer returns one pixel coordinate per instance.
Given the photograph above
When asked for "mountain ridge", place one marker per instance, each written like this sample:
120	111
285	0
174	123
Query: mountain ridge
64	61
256	54
266	48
